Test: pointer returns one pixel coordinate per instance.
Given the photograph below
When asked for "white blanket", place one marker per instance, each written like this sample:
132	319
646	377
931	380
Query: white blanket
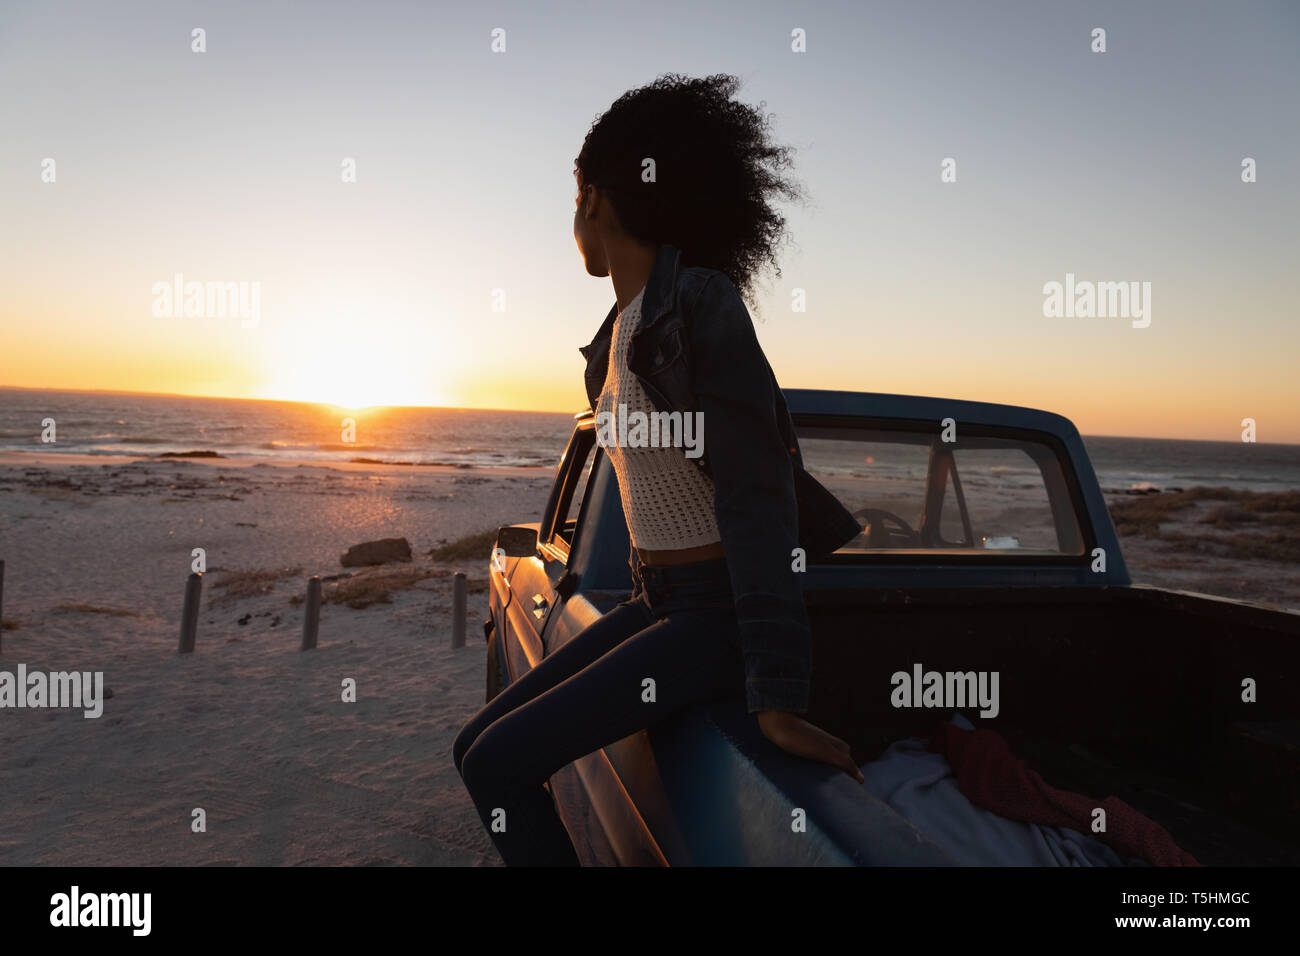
921	786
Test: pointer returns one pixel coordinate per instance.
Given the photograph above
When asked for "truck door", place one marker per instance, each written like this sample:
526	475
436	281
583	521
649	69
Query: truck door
540	584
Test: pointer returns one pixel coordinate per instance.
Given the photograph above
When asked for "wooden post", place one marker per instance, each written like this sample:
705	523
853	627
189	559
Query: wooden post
459	589
190	614
311	614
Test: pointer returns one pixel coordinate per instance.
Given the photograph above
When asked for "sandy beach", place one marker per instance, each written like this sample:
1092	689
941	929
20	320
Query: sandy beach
249	728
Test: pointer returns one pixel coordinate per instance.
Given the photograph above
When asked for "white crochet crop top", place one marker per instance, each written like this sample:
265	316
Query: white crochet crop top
667	500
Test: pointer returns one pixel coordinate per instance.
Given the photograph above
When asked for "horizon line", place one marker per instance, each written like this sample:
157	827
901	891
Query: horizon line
476	408
290	401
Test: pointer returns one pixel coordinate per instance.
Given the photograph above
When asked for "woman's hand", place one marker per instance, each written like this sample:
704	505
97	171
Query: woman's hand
795	735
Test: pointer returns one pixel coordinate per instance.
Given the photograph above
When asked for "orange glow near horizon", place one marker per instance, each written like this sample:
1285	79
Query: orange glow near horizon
353	393
393	355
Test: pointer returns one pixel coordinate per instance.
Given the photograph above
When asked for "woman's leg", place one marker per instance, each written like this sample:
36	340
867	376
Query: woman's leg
690	656
591	642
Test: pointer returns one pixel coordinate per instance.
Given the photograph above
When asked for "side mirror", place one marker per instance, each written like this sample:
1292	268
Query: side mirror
516	542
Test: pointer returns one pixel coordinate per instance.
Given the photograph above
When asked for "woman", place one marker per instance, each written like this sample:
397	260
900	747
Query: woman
674	189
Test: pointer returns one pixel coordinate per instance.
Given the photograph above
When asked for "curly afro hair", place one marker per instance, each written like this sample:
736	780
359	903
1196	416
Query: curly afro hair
716	173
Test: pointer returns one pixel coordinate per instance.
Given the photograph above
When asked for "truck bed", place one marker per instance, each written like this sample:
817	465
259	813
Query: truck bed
1127	692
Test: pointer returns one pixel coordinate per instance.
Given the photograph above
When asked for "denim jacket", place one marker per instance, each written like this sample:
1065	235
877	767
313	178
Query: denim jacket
695	351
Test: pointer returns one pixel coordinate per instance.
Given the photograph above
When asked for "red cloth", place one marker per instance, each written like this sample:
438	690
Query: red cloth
992	777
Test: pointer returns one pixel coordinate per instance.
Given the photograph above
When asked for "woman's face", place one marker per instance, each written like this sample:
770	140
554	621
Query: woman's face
585	230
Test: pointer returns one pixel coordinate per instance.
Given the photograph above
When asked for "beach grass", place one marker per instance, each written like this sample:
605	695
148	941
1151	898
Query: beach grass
373	586
1278	546
473	547
1144	514
239	584
79	608
1219	522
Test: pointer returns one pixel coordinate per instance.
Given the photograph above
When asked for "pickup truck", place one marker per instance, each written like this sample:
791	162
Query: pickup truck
986	546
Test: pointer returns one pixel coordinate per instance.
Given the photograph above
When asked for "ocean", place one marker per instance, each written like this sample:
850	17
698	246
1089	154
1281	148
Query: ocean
117	423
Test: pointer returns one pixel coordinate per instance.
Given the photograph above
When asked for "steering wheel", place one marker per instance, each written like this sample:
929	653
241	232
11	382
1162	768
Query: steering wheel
881	535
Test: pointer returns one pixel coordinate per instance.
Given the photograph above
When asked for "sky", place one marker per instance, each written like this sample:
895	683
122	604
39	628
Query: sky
226	166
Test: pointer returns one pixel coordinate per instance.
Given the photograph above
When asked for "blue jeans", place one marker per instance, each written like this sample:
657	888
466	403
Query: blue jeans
678	629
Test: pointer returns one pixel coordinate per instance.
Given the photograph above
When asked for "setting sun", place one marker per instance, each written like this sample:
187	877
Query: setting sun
351	366
346	391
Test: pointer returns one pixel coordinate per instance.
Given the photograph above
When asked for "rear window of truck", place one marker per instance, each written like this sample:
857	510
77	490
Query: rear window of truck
912	491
